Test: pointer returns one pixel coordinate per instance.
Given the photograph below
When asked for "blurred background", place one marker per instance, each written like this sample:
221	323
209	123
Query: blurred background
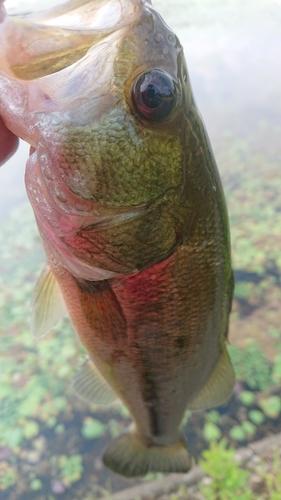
50	442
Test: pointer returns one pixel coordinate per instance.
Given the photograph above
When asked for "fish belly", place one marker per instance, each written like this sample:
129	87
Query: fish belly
154	336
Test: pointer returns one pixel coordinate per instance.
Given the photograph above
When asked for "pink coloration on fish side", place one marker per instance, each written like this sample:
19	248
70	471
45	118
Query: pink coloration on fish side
131	211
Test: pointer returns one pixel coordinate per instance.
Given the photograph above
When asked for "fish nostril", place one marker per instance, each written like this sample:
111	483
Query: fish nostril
171	38
158	38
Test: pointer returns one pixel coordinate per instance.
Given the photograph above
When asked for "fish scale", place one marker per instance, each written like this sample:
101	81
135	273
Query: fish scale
131	211
107	165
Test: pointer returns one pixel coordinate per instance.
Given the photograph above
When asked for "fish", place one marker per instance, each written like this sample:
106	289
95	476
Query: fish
131	211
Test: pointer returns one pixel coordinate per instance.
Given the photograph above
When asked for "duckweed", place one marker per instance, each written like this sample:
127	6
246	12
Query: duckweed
213	416
35	485
30	429
271	406
247	398
71	468
92	428
257	417
237	433
211	432
251	366
249	428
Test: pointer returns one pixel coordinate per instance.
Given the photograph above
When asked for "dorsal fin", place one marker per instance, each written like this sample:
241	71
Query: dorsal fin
219	387
47	304
91	386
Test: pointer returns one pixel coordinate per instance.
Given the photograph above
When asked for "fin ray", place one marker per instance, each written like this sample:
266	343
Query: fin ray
91	386
47	304
128	456
219	387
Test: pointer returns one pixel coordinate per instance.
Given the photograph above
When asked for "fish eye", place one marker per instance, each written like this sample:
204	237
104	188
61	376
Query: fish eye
154	95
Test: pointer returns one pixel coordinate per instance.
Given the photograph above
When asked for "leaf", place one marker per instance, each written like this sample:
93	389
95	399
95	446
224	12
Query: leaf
14	436
247	397
248	427
92	428
271	406
237	433
31	429
211	432
257	417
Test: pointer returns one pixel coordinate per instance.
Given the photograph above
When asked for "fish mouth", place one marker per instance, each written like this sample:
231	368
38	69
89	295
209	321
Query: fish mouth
81	93
47	42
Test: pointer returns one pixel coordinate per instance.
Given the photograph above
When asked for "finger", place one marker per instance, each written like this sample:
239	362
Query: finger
8	142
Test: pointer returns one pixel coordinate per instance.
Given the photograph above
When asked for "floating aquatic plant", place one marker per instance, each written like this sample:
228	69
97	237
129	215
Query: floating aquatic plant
271	406
251	366
256	416
71	468
247	398
237	433
8	476
92	428
211	432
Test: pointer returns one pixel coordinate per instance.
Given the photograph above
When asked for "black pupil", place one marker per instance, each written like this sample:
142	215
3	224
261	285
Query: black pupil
151	97
154	95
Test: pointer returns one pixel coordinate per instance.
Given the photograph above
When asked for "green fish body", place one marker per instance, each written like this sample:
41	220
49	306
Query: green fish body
131	211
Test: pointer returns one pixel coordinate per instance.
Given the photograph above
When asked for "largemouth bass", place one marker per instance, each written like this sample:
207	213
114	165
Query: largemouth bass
131	211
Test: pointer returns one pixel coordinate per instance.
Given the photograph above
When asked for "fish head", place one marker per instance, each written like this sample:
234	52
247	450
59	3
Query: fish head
105	104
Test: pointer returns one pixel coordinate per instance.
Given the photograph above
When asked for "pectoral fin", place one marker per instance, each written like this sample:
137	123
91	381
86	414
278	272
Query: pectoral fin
91	386
219	387
47	304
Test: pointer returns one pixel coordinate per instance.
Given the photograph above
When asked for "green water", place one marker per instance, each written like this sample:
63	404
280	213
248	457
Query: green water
50	442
